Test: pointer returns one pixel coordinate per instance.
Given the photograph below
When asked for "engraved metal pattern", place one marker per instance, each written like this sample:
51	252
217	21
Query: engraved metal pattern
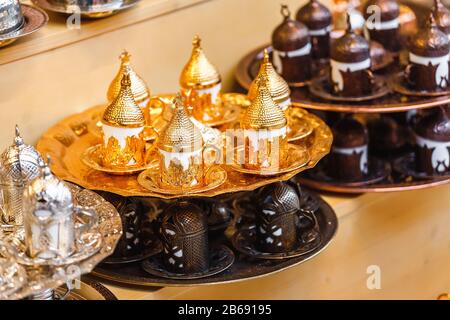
53	276
276	221
263	112
123	110
180	133
139	88
184	234
278	87
243	268
19	164
198	72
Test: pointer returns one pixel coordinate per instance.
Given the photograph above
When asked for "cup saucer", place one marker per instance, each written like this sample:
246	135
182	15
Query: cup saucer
321	88
86	246
406	165
297	157
398	84
151	180
231	112
92	158
299	125
245	240
220	259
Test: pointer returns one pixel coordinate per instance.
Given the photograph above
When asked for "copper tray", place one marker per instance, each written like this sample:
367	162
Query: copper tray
395	182
393	102
243	268
68	139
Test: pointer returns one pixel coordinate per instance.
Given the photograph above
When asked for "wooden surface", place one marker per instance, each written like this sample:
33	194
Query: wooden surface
405	234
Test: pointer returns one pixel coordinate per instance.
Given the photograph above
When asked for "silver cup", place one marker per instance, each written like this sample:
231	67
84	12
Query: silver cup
11	18
52	224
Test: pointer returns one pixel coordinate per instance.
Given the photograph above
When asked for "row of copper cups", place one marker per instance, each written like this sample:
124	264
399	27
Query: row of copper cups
349	78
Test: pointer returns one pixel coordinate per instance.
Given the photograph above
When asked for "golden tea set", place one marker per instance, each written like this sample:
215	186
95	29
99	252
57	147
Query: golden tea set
181	143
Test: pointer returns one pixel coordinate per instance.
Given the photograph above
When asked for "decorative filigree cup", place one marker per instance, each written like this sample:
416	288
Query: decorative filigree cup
38	276
123	125
181	152
265	130
201	83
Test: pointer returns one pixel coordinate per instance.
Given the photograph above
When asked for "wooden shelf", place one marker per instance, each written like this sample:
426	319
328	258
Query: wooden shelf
56	34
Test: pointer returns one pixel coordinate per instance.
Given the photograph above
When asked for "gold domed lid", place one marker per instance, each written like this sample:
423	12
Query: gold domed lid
278	87
263	112
180	134
199	72
123	111
139	88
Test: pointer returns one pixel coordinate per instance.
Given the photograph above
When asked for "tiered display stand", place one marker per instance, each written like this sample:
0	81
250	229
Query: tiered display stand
67	140
389	103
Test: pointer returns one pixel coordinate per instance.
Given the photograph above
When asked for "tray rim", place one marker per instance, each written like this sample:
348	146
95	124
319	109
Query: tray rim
59	151
244	80
374	188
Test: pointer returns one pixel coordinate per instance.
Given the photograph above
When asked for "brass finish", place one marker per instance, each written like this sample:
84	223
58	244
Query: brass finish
68	139
198	73
278	87
123	110
180	133
139	88
93	158
377	188
150	180
297	156
263	112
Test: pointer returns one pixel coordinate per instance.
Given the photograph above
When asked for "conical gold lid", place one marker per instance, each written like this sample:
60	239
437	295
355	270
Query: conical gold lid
123	111
180	135
278	87
198	73
263	112
139	88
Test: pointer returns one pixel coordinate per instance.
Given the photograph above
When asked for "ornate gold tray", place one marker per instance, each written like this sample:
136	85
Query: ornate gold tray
301	97
67	140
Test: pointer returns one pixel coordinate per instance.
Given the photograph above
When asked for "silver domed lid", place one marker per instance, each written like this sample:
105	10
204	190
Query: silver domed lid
20	162
47	192
11	18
